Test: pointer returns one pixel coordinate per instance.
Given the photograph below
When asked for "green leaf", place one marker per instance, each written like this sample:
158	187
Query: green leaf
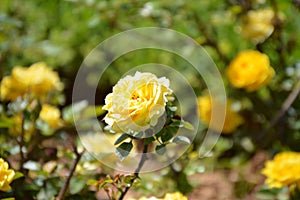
129	179
92	111
188	125
160	149
121	138
185	124
45	129
105	181
176	123
181	139
18	175
149	140
92	182
5	122
76	185
123	150
267	193
173	108
168	133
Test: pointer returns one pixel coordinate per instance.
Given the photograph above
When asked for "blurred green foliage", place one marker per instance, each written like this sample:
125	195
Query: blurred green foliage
63	32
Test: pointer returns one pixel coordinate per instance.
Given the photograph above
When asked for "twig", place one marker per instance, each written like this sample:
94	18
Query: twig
281	47
20	141
67	182
285	106
136	172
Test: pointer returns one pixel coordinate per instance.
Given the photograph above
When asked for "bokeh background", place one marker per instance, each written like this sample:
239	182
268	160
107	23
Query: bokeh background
262	122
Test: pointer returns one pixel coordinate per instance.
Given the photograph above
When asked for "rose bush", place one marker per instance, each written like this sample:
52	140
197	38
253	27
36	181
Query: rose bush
38	80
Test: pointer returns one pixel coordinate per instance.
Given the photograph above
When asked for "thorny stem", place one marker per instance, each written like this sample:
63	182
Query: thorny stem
285	106
136	172
20	141
67	182
278	32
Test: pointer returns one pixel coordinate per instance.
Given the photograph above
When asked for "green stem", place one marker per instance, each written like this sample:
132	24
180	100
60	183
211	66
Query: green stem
67	182
136	172
285	106
21	144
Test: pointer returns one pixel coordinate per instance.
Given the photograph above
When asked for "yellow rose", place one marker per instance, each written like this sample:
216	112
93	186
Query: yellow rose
283	170
168	196
232	118
250	70
6	176
136	102
37	80
258	25
50	115
10	89
175	196
45	79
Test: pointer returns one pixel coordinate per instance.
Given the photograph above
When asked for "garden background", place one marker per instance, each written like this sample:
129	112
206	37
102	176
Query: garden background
254	44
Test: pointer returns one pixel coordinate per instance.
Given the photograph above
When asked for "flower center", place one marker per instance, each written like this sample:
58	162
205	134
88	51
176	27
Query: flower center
135	96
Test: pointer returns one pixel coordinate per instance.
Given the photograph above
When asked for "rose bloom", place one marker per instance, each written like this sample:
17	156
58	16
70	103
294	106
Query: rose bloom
232	117
136	103
175	196
6	176
258	25
250	70
50	115
283	170
37	80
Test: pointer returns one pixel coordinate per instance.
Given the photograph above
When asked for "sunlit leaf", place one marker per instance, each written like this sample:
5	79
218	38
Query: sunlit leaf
181	139
18	175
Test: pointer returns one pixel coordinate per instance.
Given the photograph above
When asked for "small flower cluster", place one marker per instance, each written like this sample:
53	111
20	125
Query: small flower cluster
258	25
35	86
38	80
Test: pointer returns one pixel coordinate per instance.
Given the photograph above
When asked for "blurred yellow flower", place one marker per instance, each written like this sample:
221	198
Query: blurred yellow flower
258	25
250	70
10	89
37	80
50	115
232	118
6	176
175	196
283	170
136	102
168	196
